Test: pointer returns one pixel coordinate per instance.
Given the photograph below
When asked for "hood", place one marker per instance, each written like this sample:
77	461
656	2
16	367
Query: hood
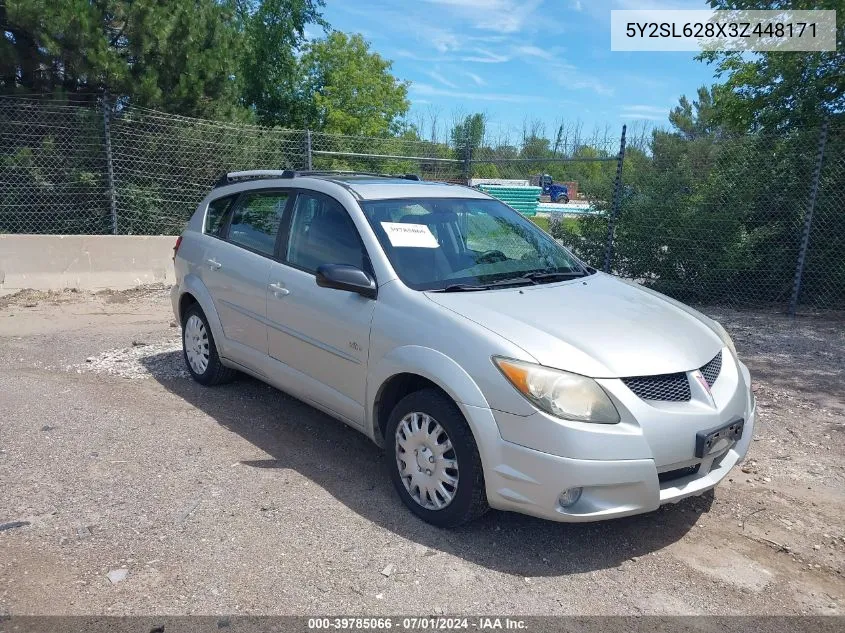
597	326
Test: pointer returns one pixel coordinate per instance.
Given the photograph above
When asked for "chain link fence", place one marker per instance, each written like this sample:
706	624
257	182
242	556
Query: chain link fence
757	220
52	168
429	160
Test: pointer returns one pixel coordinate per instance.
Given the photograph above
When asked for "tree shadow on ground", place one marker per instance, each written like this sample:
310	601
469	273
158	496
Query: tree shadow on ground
351	468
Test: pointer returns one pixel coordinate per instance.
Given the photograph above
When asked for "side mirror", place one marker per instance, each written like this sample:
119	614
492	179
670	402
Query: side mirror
349	278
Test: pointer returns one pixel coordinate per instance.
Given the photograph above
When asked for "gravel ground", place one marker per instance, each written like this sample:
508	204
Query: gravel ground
129	489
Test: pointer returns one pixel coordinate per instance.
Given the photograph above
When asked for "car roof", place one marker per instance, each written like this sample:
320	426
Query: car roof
362	186
374	188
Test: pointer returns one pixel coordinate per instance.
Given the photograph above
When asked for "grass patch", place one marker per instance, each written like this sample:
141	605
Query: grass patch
572	225
542	222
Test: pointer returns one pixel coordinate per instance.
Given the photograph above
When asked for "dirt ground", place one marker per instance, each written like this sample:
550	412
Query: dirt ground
129	489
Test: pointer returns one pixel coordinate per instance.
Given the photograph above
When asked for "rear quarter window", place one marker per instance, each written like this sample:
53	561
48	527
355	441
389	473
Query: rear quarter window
215	216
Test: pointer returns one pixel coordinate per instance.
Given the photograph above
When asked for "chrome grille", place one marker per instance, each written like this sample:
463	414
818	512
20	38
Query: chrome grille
711	370
666	387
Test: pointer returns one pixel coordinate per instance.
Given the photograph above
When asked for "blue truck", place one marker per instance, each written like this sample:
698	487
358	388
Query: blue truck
556	192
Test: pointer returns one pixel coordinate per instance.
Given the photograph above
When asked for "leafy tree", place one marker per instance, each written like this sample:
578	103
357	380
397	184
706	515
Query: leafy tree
348	89
776	90
708	216
699	118
176	56
469	132
275	31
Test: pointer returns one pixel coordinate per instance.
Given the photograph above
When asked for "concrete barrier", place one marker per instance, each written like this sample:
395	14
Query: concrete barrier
90	262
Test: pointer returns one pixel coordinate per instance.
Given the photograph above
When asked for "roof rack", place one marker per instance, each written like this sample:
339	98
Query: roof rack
337	172
252	174
258	174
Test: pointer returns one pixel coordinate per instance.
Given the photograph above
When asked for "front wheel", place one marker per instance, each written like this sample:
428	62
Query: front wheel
433	460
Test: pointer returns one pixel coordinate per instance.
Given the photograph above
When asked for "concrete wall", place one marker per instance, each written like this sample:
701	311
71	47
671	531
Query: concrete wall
91	262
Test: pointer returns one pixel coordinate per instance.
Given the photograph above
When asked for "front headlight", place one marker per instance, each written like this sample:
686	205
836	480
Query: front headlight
559	393
726	338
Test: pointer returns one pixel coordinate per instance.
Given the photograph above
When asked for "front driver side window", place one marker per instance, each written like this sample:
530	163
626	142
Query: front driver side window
322	232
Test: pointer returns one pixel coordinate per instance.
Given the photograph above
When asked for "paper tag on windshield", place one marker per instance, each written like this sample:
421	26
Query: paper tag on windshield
410	235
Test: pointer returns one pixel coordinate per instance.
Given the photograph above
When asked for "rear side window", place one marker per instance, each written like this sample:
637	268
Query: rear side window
256	219
215	216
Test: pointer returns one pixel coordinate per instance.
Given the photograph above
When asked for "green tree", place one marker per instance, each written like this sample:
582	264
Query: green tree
469	132
274	32
700	117
348	89
177	56
776	90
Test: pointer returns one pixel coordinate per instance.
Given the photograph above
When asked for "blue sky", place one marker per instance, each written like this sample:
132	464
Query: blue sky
548	60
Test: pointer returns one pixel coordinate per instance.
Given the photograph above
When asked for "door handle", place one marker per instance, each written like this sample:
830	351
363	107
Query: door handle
279	290
213	264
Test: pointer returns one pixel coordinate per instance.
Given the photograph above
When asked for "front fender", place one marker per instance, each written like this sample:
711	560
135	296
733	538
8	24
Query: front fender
192	284
435	366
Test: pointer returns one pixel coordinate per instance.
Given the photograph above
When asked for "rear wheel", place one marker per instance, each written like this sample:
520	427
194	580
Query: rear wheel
433	460
200	352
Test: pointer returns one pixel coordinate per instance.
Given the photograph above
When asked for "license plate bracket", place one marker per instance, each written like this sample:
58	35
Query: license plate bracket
719	438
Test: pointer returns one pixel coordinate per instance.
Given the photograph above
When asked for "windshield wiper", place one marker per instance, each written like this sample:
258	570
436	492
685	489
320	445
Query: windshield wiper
513	281
540	277
462	288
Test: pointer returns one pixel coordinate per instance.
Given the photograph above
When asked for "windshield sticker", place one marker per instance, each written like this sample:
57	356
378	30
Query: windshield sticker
410	235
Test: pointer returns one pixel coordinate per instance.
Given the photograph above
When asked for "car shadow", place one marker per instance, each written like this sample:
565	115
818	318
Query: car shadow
351	468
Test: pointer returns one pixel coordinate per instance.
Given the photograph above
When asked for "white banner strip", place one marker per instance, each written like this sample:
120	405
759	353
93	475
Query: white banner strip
706	30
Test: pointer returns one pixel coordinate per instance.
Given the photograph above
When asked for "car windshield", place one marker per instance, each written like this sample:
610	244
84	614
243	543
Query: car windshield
466	244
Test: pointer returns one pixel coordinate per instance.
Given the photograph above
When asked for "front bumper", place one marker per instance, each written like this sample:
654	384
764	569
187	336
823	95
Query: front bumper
529	481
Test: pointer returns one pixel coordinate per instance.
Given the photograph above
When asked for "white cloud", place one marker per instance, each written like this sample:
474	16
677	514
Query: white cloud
533	51
576	6
633	5
442	39
478	56
646	109
440	78
591	83
640	117
571	78
429	90
501	16
477	79
644	112
484	56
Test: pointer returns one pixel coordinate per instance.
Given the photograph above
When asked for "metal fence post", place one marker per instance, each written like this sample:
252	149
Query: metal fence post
467	159
808	221
109	163
308	155
614	208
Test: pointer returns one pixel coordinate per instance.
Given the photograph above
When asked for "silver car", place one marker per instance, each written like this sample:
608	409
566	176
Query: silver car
494	367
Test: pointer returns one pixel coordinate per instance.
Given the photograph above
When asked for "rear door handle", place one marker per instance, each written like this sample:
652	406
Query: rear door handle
279	290
213	264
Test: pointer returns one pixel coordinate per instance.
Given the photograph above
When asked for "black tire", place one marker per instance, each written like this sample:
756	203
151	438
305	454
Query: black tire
470	498
563	199
216	373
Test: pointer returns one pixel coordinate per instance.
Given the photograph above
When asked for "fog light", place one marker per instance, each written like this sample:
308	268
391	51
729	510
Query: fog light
569	497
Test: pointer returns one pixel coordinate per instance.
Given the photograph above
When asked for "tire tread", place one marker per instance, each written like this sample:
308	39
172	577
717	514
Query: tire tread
430	401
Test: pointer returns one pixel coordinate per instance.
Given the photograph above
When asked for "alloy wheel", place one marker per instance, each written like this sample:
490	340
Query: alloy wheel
196	344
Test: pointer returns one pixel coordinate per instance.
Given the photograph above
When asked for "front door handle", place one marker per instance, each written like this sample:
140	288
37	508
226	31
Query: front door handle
213	264
279	290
